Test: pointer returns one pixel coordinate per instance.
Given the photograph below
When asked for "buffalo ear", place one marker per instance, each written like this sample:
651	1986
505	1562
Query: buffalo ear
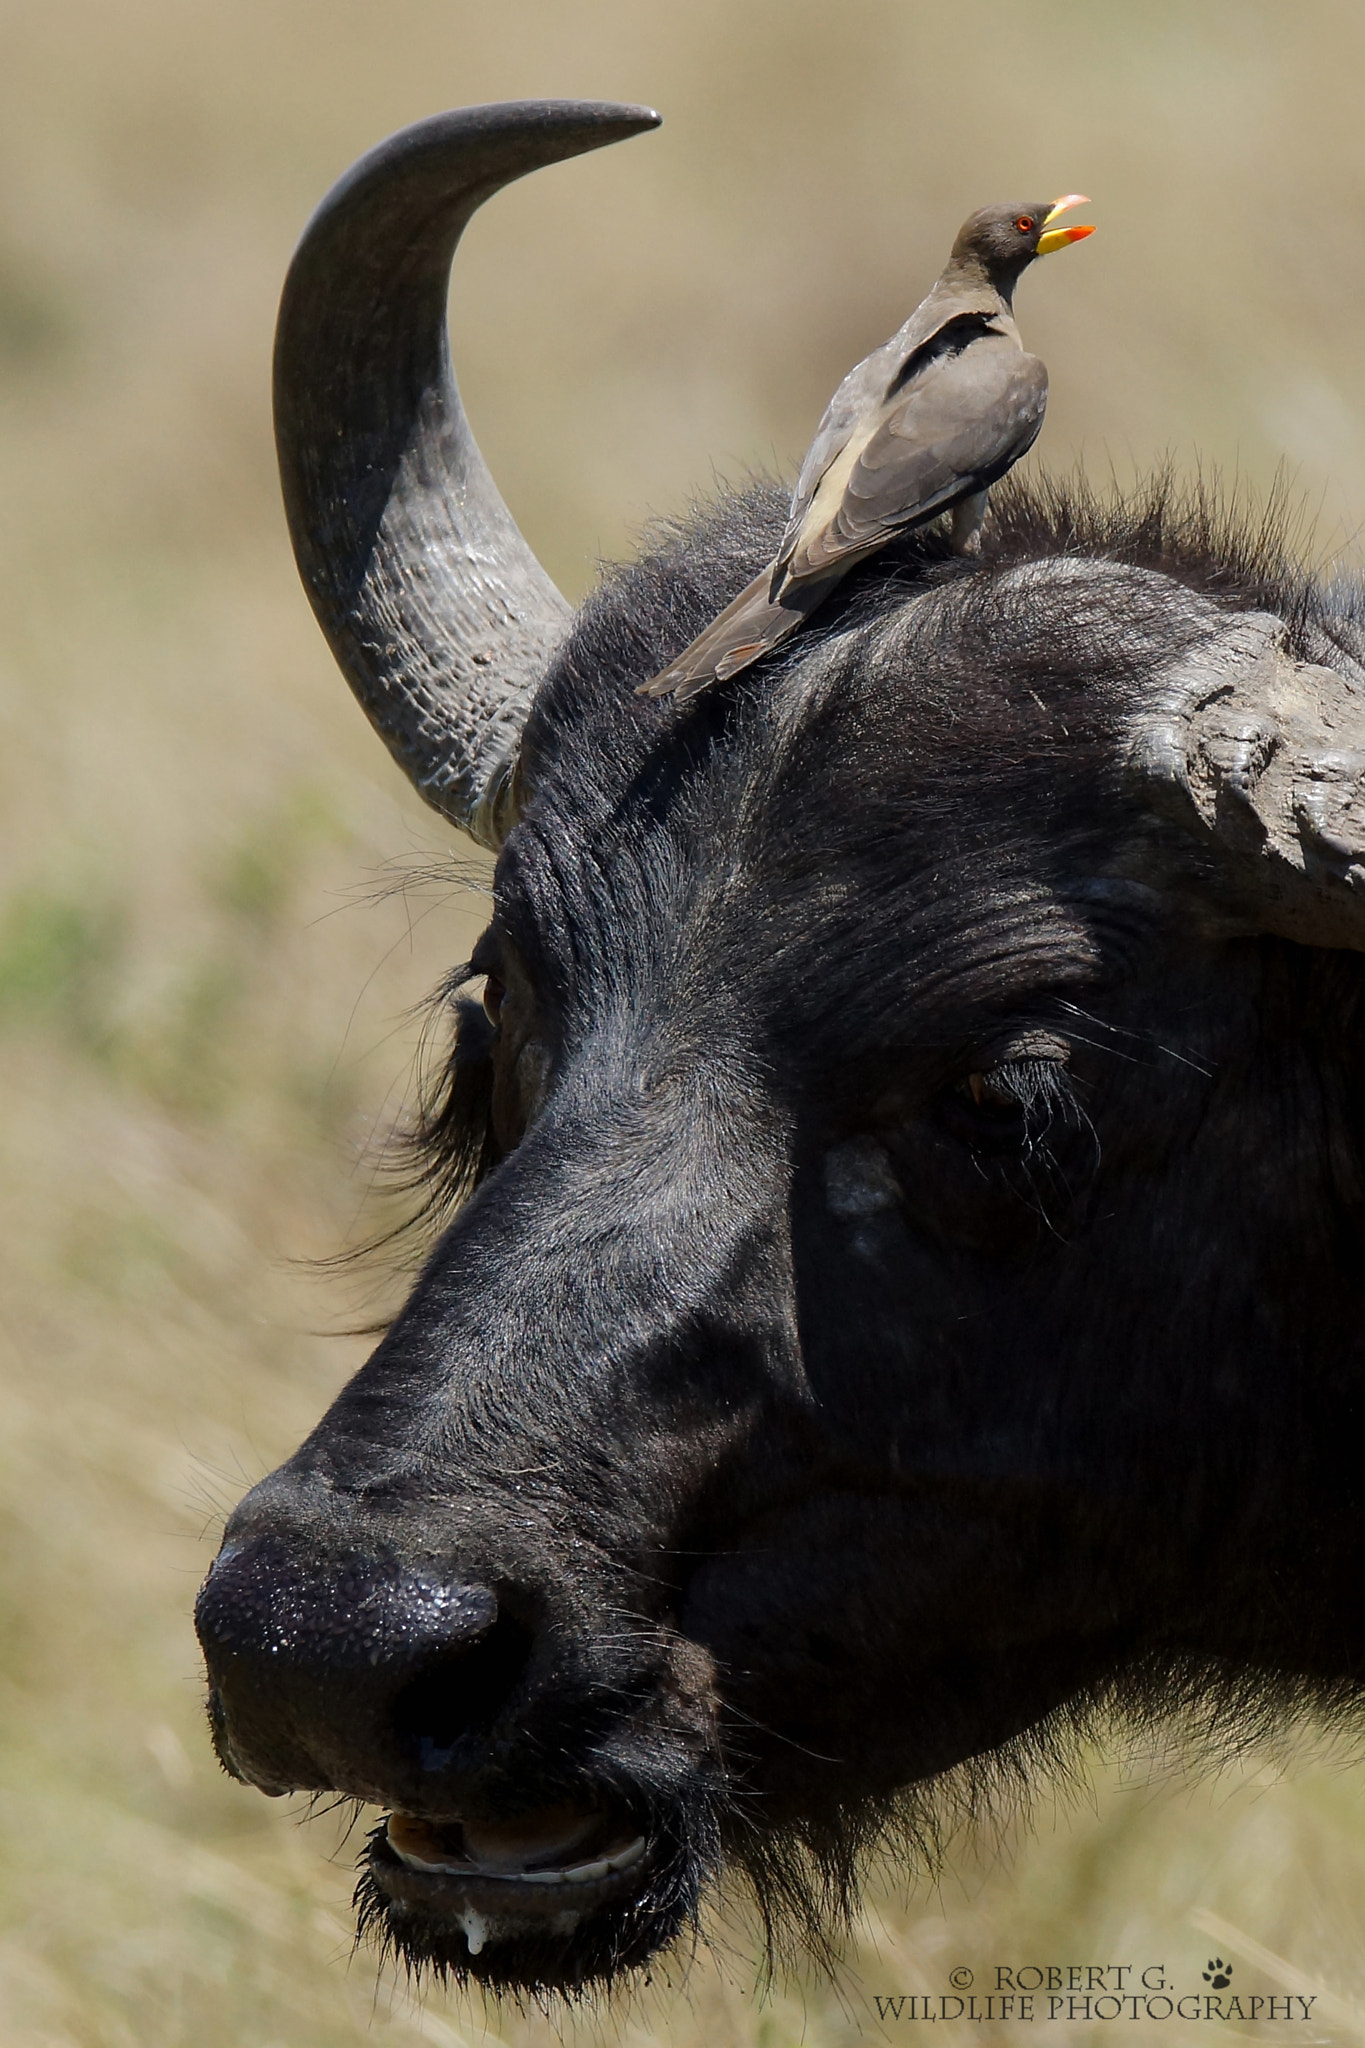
1262	757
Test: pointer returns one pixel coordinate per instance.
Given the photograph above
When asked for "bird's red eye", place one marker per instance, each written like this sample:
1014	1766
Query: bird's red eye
1024	224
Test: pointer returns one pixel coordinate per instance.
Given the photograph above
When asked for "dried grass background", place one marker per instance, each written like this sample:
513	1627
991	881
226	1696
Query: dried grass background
204	1013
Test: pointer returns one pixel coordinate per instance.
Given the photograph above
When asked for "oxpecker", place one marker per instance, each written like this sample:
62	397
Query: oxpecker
924	425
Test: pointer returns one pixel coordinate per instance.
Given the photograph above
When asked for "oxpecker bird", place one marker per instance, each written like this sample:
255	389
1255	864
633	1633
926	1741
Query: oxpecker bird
926	424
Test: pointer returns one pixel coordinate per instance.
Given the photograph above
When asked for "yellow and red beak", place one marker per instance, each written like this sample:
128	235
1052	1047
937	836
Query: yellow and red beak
1059	238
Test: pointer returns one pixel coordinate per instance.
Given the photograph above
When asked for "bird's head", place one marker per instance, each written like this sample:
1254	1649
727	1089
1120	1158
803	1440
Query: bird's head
1003	239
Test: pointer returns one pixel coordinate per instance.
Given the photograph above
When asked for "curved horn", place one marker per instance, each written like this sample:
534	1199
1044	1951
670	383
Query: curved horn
440	616
1263	756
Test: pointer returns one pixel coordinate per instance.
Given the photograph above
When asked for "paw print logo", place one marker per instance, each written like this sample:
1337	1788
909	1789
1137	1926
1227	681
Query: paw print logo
1218	1973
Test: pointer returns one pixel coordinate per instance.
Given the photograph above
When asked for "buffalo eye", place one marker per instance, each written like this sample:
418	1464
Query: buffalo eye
988	1091
989	1110
1009	1102
494	996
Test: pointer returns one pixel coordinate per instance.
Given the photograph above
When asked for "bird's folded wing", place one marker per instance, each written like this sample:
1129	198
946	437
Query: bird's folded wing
957	428
855	398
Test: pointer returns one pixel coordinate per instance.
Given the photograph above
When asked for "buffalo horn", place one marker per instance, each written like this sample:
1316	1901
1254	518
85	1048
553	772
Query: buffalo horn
1263	757
440	616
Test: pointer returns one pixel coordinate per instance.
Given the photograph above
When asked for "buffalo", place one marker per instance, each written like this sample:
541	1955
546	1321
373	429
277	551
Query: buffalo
895	1285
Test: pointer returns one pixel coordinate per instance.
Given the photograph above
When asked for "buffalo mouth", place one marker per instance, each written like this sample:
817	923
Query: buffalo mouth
553	1899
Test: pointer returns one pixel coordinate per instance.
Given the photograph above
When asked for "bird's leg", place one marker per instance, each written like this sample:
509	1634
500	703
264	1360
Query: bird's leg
969	516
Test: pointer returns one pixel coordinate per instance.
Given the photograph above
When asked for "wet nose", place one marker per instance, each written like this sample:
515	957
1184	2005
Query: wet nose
359	1674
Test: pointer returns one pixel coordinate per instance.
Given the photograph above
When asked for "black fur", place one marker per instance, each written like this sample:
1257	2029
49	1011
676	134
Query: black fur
895	1297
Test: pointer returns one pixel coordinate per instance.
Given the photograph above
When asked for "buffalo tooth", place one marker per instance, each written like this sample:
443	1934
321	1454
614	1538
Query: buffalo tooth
415	1862
541	1877
624	1858
587	1873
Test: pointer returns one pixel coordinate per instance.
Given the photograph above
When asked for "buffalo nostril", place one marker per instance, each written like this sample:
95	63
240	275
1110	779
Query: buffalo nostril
462	1693
306	1656
267	1601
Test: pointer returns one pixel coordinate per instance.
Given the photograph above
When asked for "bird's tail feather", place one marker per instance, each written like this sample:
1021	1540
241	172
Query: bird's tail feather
749	626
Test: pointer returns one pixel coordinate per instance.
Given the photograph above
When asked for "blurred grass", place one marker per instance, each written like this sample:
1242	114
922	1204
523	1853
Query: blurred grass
205	1008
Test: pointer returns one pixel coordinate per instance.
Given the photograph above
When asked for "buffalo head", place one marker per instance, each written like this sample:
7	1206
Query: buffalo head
903	1279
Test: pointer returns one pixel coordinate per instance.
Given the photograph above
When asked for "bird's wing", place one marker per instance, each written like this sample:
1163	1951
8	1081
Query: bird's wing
957	425
869	384
862	390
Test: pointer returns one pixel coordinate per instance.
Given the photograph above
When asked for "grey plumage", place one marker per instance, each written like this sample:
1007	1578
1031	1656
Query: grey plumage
924	425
